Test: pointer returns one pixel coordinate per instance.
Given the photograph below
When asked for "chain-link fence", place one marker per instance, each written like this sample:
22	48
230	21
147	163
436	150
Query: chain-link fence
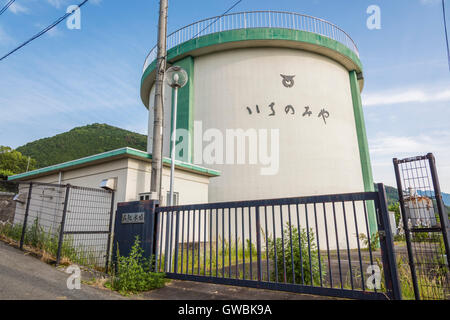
67	224
426	227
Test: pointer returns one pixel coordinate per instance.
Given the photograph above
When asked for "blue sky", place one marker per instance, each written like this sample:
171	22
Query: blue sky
71	78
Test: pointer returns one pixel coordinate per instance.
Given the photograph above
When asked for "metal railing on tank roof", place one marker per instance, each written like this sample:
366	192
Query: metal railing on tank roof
255	19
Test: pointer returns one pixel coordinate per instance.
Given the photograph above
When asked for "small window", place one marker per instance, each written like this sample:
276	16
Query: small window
175	200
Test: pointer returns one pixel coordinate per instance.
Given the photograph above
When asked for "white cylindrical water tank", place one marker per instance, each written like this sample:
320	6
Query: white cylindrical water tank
287	93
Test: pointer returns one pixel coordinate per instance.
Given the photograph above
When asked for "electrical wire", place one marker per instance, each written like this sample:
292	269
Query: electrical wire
54	24
229	9
446	33
6	6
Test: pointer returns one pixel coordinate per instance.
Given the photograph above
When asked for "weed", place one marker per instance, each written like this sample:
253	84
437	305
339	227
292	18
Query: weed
133	273
305	258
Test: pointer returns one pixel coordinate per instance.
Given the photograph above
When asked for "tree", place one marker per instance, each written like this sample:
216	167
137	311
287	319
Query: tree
13	162
395	208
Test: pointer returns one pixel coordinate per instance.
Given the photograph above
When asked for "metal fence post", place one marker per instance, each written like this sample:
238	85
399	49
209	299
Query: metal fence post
108	246
443	216
155	243
258	243
166	244
25	218
387	247
406	229
175	267
63	221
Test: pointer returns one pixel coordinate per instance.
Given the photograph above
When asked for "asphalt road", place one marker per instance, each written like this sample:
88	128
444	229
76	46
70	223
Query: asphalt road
23	277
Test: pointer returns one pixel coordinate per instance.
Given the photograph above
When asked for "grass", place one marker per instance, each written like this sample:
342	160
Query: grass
213	260
432	282
45	244
431	285
132	274
238	260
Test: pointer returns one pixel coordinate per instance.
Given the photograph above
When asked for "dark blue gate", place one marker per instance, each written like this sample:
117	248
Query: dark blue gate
316	245
134	219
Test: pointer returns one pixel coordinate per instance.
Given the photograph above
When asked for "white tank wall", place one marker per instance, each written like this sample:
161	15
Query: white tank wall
314	158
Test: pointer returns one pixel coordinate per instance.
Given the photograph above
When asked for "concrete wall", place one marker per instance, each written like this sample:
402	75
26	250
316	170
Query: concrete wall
91	176
46	206
192	188
7	206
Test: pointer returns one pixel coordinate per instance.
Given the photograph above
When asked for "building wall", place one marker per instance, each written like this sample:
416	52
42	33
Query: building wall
192	188
7	206
91	176
133	177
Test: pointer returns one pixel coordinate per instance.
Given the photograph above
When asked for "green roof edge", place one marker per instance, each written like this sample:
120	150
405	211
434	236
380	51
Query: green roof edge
109	154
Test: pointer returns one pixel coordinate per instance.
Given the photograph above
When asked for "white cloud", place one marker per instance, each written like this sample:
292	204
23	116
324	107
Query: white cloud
385	147
56	3
408	95
5	38
17	8
53	32
406	145
59	3
428	2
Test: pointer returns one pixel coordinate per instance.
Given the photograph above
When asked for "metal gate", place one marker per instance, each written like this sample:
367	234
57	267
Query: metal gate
316	245
426	226
64	222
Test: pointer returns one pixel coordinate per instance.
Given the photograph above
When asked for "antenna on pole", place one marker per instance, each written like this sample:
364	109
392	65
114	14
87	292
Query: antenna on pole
446	33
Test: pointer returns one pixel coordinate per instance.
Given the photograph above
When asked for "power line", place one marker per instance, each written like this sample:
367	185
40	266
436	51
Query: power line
54	24
229	9
6	6
446	34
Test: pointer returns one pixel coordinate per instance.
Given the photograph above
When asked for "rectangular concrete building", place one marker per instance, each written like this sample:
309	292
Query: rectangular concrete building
130	169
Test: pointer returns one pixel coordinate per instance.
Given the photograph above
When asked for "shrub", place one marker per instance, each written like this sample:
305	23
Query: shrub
46	243
371	243
301	257
133	273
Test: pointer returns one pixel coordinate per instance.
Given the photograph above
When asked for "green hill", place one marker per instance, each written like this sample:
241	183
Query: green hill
81	142
391	194
392	197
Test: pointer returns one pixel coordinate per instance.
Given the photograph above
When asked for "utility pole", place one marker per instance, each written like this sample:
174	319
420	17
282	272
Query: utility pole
158	119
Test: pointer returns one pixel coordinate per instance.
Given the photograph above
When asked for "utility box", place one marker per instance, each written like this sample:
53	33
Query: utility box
136	218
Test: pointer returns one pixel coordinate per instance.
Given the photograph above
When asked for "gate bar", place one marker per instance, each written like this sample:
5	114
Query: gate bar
108	246
25	218
289	287
443	216
63	222
258	243
387	247
406	227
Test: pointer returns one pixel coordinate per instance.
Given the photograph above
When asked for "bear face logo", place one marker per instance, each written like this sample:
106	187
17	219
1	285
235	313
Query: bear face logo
288	81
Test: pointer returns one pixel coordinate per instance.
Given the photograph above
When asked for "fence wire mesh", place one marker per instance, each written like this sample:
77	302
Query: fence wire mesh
66	223
425	227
